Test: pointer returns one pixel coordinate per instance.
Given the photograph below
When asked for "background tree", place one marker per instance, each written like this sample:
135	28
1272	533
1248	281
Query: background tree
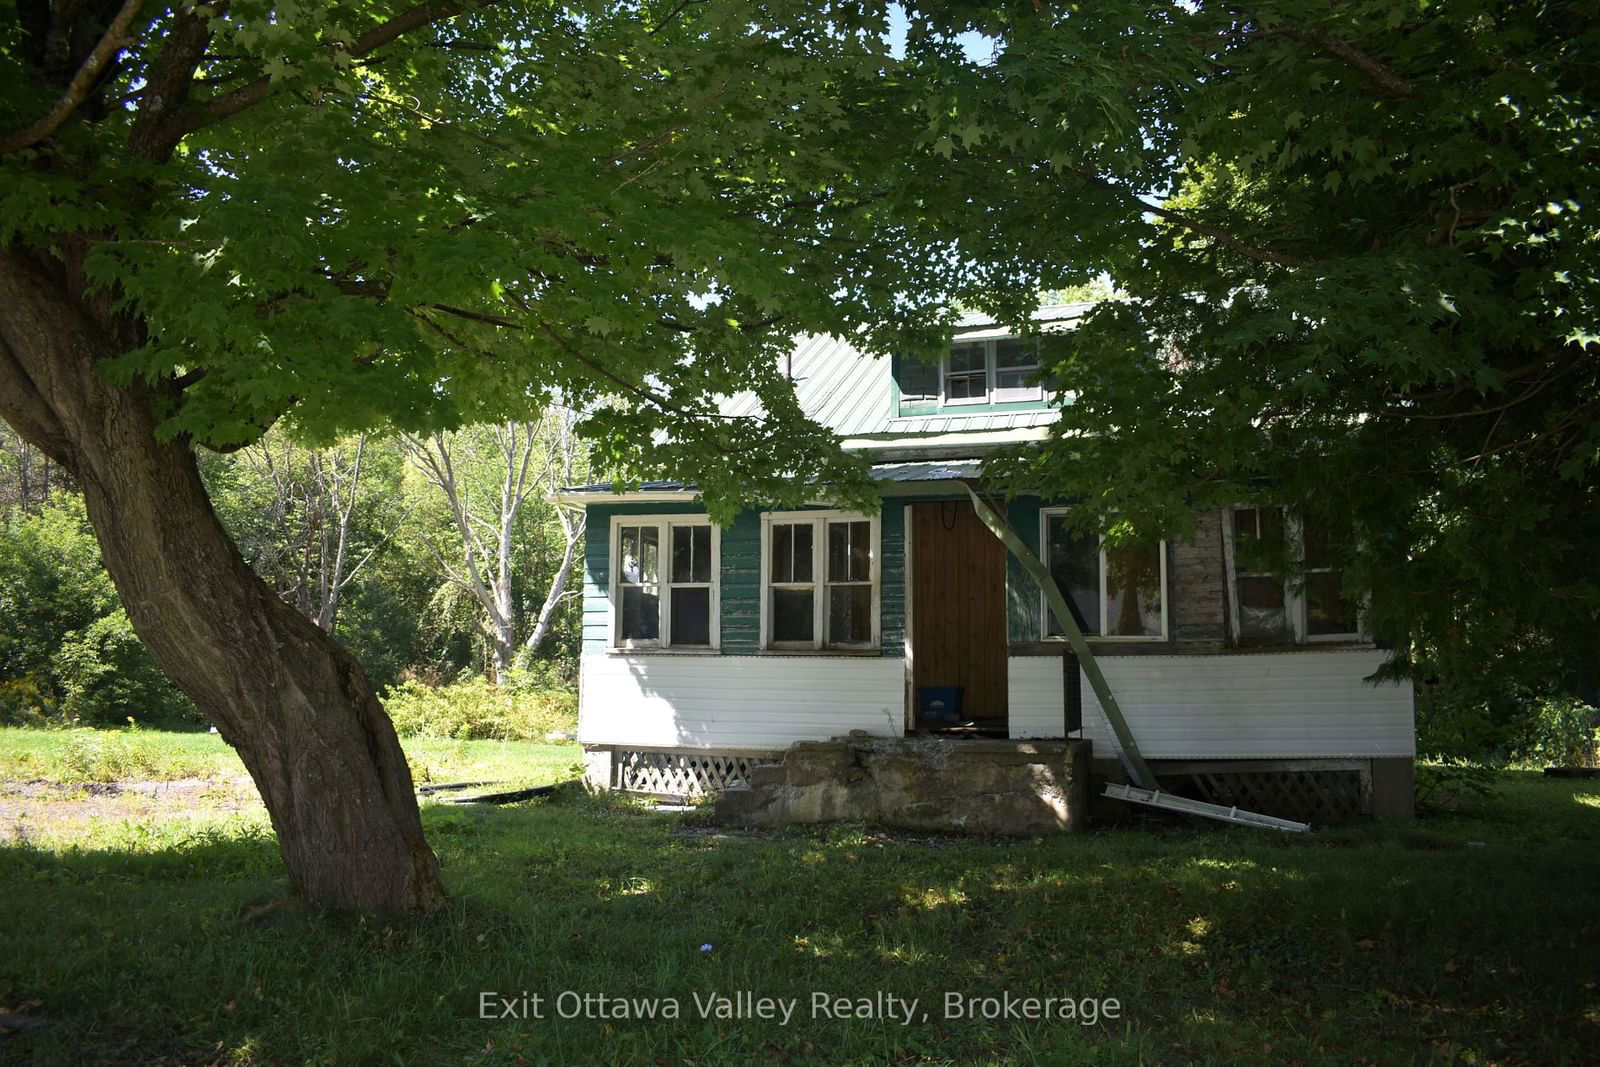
485	477
27	477
214	218
1356	255
309	520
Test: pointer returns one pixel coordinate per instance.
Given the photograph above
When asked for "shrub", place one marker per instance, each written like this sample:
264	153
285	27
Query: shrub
67	651
477	709
24	702
107	676
1562	732
94	756
1450	785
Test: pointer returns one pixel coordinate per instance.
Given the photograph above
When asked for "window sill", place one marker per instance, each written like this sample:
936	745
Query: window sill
625	651
854	653
1096	639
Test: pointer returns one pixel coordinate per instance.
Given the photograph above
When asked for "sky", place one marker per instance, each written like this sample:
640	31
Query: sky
978	48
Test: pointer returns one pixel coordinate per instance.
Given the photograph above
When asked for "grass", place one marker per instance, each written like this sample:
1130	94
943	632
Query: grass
86	755
1463	938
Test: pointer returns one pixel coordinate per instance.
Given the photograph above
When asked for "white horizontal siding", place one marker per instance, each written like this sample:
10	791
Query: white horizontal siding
1280	706
1035	695
757	702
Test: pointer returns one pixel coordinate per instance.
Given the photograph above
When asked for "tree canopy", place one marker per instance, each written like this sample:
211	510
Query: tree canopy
1356	264
360	214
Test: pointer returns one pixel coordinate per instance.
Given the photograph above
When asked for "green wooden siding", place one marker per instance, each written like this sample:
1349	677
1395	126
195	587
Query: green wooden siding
741	585
892	578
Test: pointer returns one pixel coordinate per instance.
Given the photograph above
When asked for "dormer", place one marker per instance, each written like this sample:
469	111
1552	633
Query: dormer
980	373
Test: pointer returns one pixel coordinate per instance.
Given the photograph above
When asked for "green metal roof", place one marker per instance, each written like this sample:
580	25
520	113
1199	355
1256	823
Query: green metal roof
853	394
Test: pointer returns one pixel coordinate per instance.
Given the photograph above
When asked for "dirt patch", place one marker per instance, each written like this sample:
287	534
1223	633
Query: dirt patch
41	806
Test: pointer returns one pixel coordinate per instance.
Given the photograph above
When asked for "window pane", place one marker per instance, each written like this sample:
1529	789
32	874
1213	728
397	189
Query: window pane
641	615
849	551
1075	565
1133	591
791	552
1262	615
1263	593
917	380
1016	380
1245	522
1316	546
691	616
691	553
850	614
1327	612
967	358
628	553
1014	353
965	386
792	616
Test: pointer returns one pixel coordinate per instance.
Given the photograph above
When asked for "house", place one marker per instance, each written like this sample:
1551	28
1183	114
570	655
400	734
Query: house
708	650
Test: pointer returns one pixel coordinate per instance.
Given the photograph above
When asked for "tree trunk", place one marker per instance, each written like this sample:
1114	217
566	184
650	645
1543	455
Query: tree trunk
296	705
574	531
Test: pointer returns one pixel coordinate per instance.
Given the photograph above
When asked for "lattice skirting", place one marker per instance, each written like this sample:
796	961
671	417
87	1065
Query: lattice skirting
1319	797
680	773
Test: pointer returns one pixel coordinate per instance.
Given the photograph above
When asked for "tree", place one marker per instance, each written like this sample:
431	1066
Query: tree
486	476
218	218
308	519
1356	264
26	475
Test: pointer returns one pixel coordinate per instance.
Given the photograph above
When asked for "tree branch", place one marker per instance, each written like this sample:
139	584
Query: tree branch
1188	222
1385	78
81	85
247	96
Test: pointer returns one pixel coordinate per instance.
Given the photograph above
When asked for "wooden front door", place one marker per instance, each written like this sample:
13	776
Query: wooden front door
958	612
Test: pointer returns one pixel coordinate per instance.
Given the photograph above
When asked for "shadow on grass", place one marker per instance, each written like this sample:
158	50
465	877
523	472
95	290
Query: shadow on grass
1376	942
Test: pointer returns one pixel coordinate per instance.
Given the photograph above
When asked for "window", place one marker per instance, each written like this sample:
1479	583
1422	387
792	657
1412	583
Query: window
1328	614
664	582
999	371
918	381
1016	365
1114	592
966	374
1264	544
1263	601
821	585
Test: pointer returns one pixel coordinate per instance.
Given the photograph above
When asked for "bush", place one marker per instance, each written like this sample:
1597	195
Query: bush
67	651
1562	732
107	677
94	756
24	702
1451	785
477	709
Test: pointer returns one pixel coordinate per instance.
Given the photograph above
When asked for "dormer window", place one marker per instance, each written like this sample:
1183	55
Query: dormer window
999	370
966	374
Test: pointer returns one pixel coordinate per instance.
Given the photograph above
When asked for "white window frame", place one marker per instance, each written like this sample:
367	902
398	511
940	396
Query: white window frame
819	560
664	525
1299	609
1294	616
992	393
1295	605
1045	515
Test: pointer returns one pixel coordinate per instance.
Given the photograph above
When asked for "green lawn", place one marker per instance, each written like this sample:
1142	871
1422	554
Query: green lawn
1467	938
87	755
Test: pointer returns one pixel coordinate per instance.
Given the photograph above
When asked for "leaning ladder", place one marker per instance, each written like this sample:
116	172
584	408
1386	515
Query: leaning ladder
1157	799
1138	770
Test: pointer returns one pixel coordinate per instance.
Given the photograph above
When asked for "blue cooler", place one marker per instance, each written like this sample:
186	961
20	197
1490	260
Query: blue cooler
940	703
